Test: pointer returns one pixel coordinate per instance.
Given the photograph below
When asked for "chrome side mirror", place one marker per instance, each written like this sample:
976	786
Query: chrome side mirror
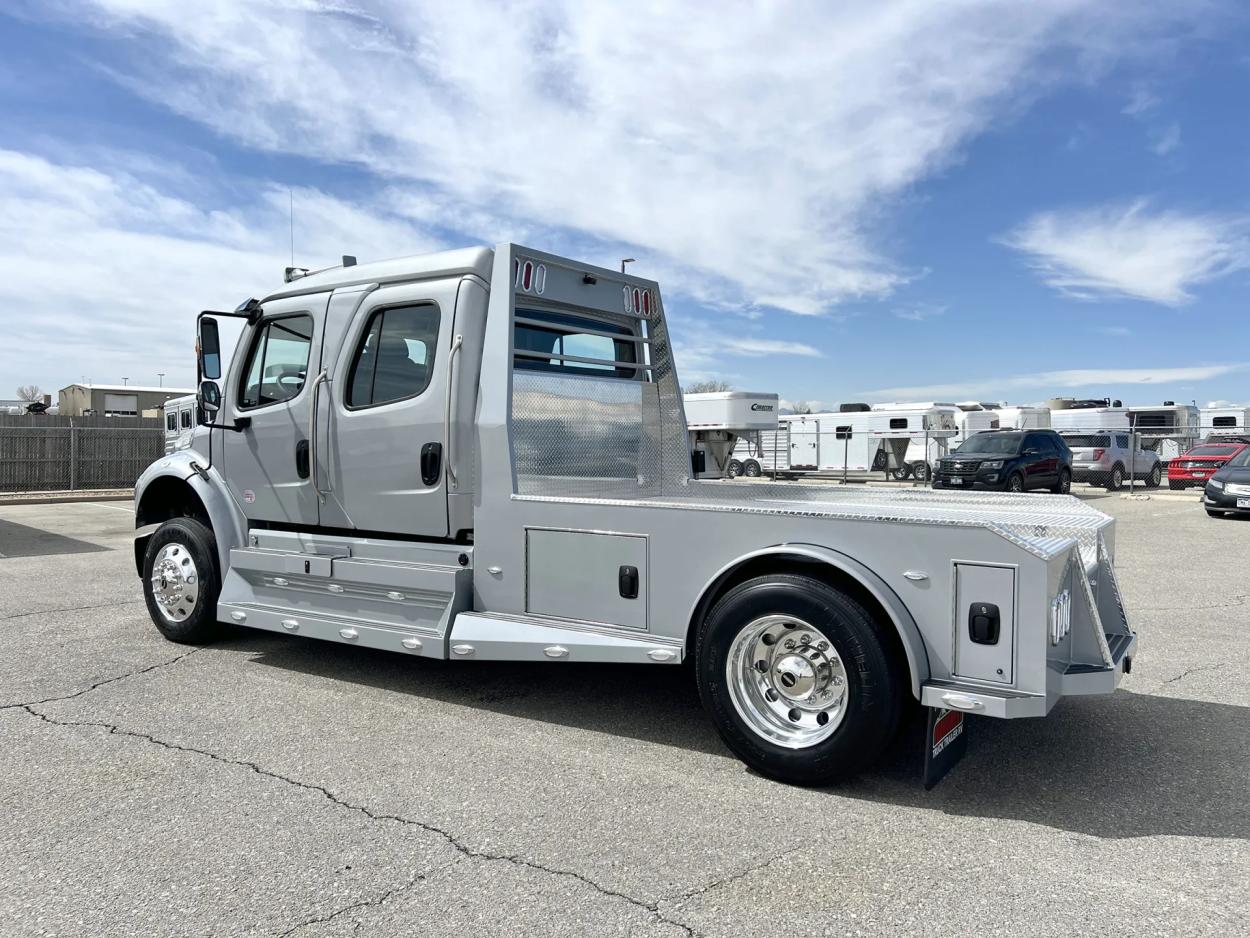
209	399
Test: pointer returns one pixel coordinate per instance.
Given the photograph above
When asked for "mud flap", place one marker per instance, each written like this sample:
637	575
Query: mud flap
946	741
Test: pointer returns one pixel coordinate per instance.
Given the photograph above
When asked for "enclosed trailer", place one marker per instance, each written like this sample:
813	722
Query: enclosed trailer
1169	429
719	421
1023	418
180	421
1224	421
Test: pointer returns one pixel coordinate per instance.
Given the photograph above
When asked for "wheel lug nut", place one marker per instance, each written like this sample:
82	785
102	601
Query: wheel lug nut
789	643
805	638
823	646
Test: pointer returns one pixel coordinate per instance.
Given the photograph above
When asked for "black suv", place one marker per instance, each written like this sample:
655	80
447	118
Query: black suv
1009	460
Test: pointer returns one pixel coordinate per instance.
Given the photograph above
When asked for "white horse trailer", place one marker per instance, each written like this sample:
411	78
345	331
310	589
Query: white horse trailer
719	422
179	422
1023	418
1224	421
930	435
1089	419
833	442
1169	429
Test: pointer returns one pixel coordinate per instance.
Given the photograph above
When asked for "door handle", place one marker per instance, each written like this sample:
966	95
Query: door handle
312	432
301	459
431	463
627	582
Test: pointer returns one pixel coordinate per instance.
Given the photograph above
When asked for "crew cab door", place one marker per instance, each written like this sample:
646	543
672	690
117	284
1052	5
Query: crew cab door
266	460
383	463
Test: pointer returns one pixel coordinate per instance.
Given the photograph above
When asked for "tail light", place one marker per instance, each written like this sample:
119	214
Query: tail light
1098	454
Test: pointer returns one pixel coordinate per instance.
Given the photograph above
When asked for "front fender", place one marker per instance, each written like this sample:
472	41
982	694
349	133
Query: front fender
225	517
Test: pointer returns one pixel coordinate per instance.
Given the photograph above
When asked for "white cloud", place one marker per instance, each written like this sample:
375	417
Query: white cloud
1117	251
757	347
920	312
101	273
1049	382
753	150
1166	140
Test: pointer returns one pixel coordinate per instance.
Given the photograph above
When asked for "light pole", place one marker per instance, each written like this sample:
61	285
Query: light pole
125	380
624	261
161	377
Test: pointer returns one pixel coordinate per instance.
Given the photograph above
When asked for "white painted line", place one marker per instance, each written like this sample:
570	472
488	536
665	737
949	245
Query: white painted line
129	509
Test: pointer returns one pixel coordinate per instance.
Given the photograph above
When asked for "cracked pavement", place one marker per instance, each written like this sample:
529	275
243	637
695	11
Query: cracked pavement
268	785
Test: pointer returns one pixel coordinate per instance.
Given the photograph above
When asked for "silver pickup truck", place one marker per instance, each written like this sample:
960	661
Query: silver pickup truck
482	455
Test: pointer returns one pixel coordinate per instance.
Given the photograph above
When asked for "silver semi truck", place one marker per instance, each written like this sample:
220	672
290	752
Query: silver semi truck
482	455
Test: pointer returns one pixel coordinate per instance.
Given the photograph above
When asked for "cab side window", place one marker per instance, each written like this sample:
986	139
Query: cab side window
185	418
277	362
395	356
171	421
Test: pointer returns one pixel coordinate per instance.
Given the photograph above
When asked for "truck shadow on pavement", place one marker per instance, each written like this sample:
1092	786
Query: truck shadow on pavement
1132	765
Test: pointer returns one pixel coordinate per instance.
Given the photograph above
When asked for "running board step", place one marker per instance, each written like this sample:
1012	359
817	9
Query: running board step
475	636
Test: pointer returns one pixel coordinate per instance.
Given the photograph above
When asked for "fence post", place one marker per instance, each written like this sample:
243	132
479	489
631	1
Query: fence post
73	456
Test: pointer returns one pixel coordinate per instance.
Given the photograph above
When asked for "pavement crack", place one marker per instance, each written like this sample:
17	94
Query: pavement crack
98	684
731	878
362	904
453	840
1188	671
44	612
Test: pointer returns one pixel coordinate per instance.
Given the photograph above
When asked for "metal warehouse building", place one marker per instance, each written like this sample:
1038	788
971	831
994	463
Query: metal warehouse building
115	400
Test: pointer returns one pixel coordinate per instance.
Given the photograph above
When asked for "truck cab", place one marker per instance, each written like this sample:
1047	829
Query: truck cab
483	455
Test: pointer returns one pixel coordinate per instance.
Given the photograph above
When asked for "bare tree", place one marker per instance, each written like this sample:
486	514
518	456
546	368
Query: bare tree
29	392
706	387
802	407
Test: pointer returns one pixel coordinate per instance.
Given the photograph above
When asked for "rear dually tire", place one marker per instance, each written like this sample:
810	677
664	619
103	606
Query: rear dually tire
799	679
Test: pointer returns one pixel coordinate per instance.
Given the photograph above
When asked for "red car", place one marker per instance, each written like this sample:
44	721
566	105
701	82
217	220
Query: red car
1200	463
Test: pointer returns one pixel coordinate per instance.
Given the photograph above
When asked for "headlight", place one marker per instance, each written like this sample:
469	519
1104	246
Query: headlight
1215	483
992	464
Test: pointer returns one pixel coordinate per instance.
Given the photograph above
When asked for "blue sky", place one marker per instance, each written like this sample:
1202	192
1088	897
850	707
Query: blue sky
986	200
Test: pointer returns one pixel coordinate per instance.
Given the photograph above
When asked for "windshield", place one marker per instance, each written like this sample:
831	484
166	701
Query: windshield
1002	444
1241	459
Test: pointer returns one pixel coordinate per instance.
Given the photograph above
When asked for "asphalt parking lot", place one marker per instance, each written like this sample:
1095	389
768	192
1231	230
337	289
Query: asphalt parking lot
269	785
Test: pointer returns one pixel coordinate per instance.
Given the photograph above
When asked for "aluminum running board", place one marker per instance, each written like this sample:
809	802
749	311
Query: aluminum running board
486	637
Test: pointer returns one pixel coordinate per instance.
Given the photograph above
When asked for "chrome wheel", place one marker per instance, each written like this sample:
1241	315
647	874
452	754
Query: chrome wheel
786	681
175	582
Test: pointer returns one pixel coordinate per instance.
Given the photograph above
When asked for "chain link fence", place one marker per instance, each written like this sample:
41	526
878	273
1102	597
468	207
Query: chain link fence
64	454
1165	457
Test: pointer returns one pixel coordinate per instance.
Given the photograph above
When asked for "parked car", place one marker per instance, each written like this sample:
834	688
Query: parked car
1228	489
1200	463
1009	460
1108	459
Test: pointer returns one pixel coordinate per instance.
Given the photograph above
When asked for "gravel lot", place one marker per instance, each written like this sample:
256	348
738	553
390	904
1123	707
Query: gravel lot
270	785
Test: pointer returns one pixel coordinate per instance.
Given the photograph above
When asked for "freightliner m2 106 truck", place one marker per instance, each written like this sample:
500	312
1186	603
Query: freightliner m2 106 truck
482	455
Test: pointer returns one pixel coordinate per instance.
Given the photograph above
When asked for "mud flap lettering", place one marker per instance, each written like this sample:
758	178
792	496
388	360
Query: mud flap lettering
946	741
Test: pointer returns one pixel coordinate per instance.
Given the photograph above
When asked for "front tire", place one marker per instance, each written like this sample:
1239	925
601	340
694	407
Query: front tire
828	697
181	581
1155	477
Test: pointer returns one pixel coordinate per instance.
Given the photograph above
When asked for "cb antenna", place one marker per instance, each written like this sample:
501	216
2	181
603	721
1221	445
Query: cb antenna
291	193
